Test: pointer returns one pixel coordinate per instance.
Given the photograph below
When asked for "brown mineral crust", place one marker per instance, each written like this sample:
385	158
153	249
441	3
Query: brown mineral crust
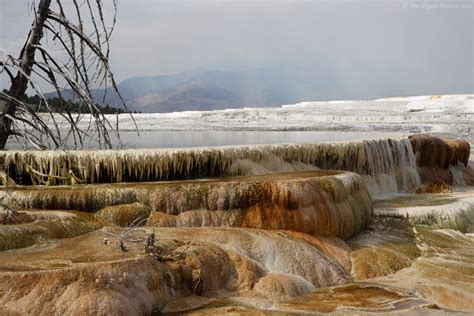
124	214
433	151
324	203
84	276
332	205
360	297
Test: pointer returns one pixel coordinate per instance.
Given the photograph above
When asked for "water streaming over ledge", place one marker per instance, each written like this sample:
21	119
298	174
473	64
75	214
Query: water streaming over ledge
388	165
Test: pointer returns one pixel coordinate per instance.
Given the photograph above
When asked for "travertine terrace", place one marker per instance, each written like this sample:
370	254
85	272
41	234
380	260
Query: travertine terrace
238	229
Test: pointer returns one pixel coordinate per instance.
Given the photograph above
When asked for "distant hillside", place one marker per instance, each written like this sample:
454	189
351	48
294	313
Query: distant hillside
205	89
212	90
216	87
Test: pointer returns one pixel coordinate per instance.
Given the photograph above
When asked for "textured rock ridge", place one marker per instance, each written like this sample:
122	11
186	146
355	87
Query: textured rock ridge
442	159
379	159
315	202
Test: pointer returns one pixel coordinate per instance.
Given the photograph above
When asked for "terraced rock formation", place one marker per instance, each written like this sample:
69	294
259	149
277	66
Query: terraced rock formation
249	239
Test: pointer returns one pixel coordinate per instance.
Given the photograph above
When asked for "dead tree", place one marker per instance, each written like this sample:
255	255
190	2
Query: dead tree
76	65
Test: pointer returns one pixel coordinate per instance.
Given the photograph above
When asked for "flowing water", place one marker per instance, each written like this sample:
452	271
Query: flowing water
387	165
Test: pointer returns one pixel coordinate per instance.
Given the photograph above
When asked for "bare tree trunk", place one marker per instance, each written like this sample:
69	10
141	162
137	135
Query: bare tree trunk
19	84
84	47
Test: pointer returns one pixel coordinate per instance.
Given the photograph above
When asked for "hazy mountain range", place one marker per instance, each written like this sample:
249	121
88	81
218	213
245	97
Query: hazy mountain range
205	89
228	87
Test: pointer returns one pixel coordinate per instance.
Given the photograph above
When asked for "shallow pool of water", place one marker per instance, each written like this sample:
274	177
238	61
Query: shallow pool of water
164	139
178	139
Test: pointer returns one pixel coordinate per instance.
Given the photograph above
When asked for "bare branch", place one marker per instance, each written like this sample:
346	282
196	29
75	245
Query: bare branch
5	68
84	66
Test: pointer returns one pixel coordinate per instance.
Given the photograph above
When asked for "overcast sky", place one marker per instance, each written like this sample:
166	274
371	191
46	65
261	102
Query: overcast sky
426	45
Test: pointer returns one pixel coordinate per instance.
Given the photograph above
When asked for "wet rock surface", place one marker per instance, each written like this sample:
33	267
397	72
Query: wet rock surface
304	242
211	262
361	297
124	214
390	163
325	203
